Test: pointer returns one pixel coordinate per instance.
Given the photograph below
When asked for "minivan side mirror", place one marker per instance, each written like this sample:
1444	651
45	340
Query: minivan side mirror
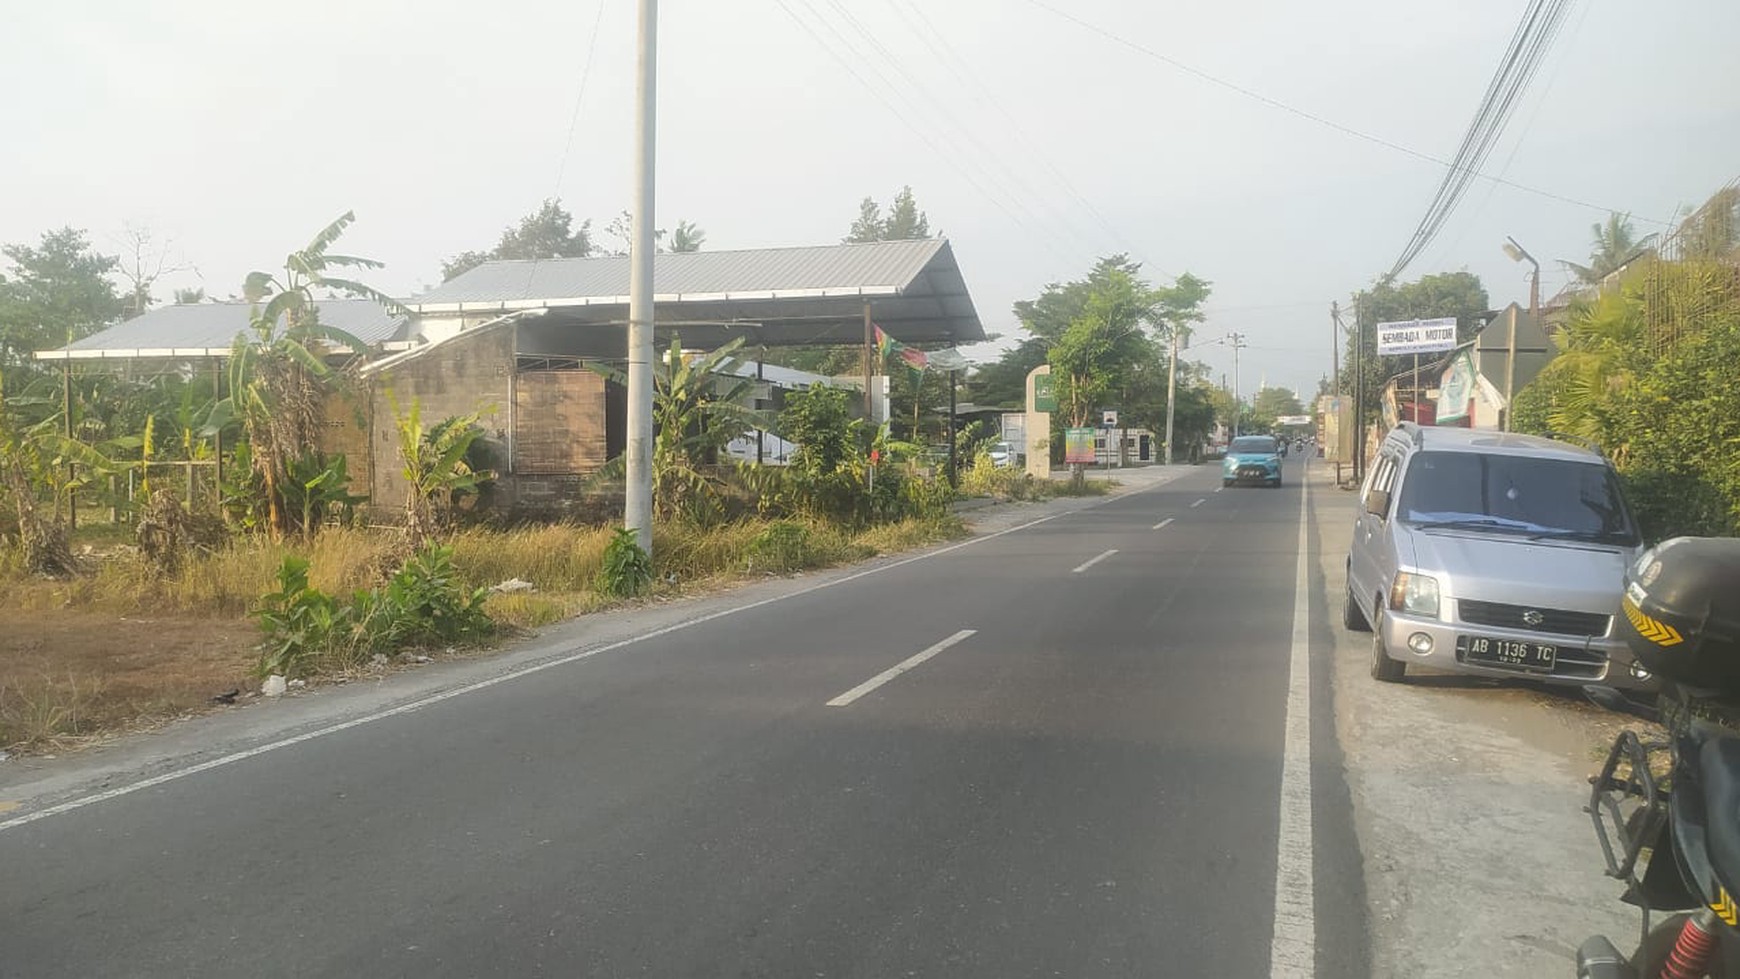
1377	502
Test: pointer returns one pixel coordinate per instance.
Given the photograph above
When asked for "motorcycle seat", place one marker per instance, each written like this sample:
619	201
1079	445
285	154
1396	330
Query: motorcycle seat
1719	764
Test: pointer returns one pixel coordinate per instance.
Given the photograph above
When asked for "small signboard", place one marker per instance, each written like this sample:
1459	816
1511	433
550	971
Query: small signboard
1044	394
1109	419
1078	445
1293	420
1416	336
1456	389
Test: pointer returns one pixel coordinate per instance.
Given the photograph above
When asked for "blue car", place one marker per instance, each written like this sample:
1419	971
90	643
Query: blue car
1250	459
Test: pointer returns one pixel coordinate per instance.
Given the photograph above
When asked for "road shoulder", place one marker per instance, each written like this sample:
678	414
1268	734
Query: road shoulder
1467	796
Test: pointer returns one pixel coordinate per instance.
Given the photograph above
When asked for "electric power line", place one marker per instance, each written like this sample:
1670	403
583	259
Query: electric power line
950	57
925	137
1007	181
1275	103
1534	33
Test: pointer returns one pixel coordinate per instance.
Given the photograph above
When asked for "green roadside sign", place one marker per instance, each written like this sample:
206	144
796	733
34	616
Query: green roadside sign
1044	395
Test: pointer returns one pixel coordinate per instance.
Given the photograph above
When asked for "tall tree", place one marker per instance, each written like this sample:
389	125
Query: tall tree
868	226
904	220
1613	243
143	261
58	291
1104	338
548	232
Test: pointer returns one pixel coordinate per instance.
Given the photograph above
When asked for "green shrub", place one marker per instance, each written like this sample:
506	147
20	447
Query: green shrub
424	604
299	621
627	569
429	605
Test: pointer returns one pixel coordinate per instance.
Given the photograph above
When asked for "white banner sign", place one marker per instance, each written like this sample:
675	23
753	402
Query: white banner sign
1416	336
1293	420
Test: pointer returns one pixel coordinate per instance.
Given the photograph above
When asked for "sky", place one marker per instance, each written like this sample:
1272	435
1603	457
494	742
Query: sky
232	132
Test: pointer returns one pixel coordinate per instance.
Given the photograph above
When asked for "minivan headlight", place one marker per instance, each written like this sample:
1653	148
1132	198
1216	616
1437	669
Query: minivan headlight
1416	594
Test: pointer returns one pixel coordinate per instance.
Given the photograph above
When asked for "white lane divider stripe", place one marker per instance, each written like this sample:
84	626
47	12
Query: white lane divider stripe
1293	949
1162	524
1093	561
899	668
430	700
1199	502
1217	489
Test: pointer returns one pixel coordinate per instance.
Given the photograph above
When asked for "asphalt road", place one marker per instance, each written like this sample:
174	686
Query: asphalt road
1086	782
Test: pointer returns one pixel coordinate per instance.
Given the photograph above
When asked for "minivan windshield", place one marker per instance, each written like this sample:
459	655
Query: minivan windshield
1254	445
1544	498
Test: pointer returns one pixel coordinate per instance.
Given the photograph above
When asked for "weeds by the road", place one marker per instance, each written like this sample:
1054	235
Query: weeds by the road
125	644
984	478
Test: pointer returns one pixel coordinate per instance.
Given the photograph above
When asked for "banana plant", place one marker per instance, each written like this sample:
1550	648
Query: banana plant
435	465
698	408
277	369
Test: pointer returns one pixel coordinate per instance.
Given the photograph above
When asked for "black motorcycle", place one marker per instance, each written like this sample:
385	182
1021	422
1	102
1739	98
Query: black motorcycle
1673	806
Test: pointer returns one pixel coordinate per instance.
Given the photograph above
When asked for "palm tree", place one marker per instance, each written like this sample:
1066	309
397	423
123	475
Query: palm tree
688	237
276	368
1591	363
1614	245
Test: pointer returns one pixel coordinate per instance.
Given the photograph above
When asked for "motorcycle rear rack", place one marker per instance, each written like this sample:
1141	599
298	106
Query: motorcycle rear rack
1628	810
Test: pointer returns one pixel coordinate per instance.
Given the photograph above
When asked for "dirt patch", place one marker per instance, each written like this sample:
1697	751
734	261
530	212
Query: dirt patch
67	675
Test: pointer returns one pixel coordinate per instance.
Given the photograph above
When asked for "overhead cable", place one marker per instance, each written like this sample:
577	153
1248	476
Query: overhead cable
1310	116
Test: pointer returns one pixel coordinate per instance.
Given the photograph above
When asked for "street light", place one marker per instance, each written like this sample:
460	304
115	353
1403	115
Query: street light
1518	253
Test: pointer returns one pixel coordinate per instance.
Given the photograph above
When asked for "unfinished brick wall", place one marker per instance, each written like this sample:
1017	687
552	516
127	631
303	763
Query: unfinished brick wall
344	430
471	372
558	422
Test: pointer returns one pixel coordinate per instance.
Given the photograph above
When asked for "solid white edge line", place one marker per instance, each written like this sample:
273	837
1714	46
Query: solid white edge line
1090	562
897	669
1200	502
1293	947
436	698
1162	524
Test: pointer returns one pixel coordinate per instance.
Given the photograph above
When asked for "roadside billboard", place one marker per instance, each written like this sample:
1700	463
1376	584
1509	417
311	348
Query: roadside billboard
1078	445
1416	336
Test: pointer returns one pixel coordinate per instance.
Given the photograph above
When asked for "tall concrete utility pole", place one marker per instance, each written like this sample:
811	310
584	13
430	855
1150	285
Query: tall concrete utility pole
1237	342
1335	377
1171	392
637	505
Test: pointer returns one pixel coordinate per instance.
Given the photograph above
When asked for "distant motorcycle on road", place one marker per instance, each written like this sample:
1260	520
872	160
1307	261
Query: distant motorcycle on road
1673	806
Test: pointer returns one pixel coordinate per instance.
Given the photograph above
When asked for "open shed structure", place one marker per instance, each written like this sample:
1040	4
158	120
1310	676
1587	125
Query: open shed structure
513	340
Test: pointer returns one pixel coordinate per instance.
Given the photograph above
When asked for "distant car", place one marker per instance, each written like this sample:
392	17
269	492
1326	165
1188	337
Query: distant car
1004	454
1252	459
1492	554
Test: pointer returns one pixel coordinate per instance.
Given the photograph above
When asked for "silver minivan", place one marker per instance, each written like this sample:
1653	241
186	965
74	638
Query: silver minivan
1493	554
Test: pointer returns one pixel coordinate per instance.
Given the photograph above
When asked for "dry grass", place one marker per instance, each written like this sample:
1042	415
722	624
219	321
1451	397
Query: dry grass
70	674
556	557
125	646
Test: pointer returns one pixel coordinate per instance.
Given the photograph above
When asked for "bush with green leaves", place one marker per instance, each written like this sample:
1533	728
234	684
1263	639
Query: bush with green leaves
627	569
423	604
299	622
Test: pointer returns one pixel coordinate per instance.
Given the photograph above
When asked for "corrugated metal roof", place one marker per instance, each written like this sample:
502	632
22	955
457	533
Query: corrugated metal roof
882	267
208	329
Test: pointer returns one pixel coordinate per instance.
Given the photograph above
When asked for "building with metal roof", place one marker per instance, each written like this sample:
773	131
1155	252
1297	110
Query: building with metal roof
199	330
772	296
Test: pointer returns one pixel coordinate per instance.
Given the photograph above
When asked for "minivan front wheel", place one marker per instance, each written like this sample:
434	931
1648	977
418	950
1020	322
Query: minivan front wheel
1382	667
